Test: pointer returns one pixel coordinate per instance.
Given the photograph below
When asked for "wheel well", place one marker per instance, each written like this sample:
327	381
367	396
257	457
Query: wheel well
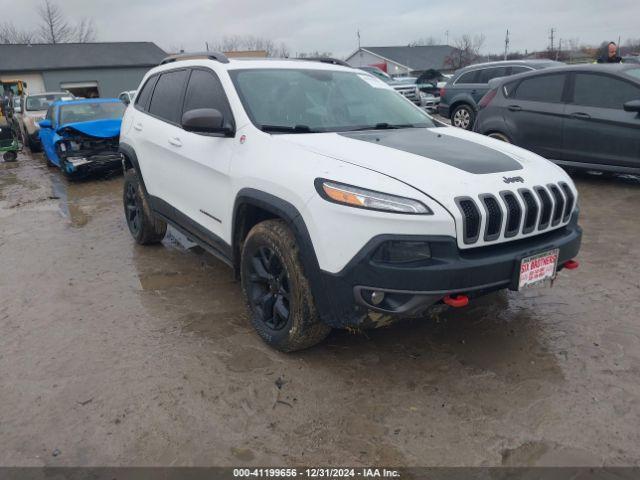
126	162
461	102
247	216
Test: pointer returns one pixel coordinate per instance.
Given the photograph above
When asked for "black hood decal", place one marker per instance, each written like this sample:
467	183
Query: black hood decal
455	152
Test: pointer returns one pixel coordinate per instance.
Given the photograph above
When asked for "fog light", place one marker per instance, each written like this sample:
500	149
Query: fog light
377	297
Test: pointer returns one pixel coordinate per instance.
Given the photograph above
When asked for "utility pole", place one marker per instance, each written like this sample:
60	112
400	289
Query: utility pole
551	38
447	35
506	45
207	45
358	39
559	49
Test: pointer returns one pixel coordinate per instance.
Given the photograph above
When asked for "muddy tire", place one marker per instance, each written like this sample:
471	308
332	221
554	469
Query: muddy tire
33	146
46	159
276	289
463	116
10	156
145	227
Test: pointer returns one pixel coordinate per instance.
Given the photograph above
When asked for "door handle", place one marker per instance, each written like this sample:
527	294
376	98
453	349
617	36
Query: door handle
515	108
581	115
137	126
175	141
474	91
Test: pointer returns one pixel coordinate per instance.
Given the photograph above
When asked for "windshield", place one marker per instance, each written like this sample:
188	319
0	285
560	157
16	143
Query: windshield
87	112
42	102
304	101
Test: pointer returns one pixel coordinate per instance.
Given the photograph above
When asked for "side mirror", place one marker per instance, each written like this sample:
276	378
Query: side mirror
125	100
46	123
632	106
205	120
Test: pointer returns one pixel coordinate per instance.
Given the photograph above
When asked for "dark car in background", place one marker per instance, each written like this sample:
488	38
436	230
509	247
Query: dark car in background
463	91
585	116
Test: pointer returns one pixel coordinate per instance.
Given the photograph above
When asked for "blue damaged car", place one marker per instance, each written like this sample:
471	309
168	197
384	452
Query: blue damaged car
81	136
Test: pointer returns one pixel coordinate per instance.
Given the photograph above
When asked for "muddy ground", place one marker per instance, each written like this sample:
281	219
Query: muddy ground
116	354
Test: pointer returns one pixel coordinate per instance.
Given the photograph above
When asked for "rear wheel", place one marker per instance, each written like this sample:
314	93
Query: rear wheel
33	145
10	156
499	136
145	228
463	116
277	291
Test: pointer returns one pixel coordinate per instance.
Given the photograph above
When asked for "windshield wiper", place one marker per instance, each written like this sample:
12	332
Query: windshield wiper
287	129
386	126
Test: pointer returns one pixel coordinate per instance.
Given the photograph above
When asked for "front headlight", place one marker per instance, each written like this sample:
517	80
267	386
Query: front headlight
369	199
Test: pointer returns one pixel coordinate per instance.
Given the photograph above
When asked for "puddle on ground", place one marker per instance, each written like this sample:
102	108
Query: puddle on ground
547	454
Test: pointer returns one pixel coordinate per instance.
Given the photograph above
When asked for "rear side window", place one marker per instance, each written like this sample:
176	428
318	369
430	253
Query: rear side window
205	91
166	101
469	77
543	88
603	91
517	70
142	101
490	73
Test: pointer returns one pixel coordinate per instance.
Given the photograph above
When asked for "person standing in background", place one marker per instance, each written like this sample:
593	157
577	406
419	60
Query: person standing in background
611	55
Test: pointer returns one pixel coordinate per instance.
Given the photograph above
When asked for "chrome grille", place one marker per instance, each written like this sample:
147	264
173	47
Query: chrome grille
524	212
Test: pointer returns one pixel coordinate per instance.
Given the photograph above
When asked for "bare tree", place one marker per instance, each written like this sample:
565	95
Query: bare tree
251	43
467	51
54	27
10	34
314	54
425	42
85	31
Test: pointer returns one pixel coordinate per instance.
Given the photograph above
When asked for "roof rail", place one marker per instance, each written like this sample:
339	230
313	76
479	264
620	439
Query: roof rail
220	57
332	61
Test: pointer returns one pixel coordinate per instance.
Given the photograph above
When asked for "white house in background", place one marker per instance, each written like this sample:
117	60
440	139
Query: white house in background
404	60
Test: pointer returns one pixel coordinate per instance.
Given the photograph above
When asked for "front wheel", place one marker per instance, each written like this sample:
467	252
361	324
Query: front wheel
276	289
463	116
145	228
10	156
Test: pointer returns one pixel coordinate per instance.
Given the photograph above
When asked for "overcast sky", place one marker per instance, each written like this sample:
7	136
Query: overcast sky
331	25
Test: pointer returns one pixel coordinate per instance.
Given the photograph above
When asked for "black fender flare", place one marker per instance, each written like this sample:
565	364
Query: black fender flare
290	214
130	155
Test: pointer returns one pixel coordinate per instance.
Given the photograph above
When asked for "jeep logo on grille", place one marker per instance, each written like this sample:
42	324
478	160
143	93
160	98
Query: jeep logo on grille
513	179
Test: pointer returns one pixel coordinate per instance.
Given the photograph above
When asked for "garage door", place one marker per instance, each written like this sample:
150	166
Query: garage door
82	89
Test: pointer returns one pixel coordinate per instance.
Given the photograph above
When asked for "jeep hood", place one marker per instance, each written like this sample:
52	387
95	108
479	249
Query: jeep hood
108	128
442	162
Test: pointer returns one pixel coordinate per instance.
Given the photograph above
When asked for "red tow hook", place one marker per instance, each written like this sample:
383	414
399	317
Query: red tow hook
456	301
571	264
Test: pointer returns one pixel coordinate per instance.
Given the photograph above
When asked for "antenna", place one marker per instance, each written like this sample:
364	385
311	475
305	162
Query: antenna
506	44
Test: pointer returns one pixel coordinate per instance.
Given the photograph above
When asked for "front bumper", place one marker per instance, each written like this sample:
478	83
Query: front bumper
94	164
410	290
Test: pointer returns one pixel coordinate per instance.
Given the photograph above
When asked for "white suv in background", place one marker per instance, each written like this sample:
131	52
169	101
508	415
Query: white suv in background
337	201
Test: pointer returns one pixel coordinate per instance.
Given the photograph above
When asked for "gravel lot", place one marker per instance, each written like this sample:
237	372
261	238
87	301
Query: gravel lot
115	354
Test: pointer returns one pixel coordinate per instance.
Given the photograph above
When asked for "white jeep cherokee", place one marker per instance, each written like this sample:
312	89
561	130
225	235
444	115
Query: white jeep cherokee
337	201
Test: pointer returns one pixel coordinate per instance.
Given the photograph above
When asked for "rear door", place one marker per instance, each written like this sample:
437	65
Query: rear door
205	159
534	113
597	129
158	140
